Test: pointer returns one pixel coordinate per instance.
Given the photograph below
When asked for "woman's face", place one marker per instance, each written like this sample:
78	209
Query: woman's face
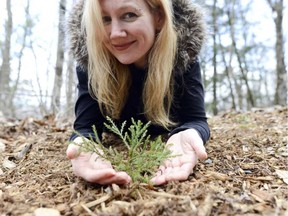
130	27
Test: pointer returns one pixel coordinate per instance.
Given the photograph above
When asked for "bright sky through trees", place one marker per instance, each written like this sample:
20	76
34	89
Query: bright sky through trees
44	40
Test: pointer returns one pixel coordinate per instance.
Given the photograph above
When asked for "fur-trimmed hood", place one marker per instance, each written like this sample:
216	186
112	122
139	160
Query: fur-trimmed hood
189	23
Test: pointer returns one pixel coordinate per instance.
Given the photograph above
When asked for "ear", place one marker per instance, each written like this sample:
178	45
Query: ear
159	20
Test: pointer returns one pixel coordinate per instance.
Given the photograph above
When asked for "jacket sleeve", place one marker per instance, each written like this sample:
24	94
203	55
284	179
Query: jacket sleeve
190	103
87	109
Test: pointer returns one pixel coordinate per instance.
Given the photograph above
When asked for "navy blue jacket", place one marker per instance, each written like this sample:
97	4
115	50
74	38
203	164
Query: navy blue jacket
187	108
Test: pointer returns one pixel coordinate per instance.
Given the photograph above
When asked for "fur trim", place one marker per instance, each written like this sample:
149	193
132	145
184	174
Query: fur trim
189	23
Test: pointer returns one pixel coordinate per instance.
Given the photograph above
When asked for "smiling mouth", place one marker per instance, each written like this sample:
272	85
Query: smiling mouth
121	47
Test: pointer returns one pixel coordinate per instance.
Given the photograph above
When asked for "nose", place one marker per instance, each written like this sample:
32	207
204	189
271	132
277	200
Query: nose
117	30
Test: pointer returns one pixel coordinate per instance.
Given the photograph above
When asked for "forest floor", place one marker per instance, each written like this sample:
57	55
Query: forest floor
246	172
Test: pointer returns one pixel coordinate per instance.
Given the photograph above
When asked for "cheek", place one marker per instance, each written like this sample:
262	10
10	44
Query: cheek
106	37
106	43
107	30
149	38
147	35
151	33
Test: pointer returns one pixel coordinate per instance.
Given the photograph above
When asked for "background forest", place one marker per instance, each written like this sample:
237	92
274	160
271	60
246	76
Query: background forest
243	62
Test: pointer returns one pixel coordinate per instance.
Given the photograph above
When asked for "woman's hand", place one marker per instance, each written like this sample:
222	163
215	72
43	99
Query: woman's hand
92	168
188	146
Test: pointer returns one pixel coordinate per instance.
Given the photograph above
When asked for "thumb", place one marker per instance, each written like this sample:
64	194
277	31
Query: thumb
72	151
198	146
200	150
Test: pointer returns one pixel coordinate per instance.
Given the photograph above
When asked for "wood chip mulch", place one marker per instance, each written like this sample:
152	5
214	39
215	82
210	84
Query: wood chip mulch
246	172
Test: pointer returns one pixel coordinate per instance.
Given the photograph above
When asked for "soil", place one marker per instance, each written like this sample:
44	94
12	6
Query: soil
246	172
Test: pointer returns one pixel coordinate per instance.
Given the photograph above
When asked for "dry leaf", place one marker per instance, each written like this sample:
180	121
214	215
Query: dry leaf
283	174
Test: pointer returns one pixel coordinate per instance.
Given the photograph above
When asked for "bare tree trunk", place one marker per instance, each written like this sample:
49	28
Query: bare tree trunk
5	67
27	26
228	74
251	95
244	75
214	14
56	95
280	97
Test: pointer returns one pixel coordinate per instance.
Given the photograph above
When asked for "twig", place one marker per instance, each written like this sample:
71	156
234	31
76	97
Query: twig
260	178
88	210
98	201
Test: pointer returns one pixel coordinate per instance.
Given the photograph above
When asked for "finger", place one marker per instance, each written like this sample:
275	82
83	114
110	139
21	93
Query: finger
72	151
158	180
160	171
199	149
193	138
96	176
167	170
120	178
100	172
73	148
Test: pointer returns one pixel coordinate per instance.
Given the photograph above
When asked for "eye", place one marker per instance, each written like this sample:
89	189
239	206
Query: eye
130	16
106	20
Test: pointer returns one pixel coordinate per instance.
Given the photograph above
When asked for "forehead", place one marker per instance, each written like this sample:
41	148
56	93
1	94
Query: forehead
107	5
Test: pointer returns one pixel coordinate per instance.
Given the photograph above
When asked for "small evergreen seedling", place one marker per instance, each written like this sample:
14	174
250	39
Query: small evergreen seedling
142	155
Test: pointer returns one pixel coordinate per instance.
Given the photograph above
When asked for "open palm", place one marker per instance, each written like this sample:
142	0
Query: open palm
92	168
187	146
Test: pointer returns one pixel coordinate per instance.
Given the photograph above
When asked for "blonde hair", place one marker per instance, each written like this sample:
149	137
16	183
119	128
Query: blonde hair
110	80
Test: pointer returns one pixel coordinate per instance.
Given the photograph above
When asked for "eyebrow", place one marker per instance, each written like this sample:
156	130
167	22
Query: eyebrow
126	7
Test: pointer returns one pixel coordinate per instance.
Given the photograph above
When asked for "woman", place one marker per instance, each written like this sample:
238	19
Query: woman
139	59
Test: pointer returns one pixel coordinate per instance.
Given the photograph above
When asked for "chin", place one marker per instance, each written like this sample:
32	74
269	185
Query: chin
126	61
